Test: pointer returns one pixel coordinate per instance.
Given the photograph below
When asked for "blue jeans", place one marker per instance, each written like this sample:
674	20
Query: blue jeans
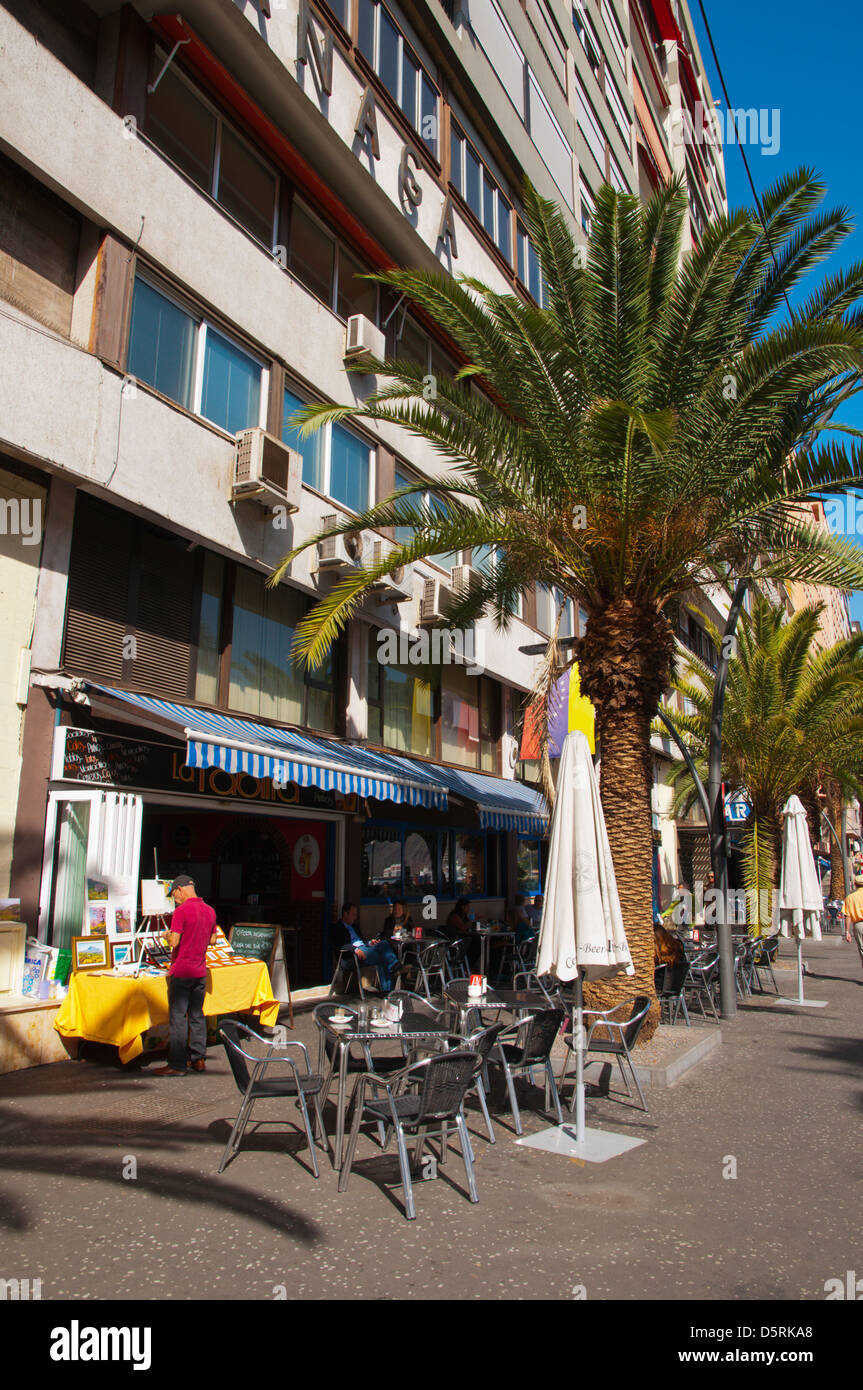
186	1003
383	958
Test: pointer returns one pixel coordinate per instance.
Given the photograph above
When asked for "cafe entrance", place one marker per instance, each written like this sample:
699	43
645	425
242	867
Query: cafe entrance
274	869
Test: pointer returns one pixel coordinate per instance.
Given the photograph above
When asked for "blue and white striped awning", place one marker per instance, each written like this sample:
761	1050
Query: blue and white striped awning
503	804
261	750
285	755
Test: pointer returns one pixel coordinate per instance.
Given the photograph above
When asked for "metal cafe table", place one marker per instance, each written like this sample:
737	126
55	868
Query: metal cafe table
516	1001
415	1027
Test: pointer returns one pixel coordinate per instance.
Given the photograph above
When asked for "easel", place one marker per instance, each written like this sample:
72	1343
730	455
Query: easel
153	924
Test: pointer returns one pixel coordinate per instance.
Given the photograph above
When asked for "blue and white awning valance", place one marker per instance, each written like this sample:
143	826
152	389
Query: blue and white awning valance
285	755
503	804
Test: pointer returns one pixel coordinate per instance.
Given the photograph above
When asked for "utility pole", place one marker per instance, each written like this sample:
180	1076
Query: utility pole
716	822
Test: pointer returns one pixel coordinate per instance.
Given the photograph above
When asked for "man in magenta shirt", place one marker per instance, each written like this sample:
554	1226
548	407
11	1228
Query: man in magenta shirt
193	929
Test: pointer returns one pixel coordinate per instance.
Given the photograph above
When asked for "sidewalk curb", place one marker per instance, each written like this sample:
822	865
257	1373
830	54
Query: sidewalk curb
661	1077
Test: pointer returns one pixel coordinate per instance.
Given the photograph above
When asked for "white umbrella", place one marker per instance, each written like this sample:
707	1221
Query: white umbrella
581	933
797	908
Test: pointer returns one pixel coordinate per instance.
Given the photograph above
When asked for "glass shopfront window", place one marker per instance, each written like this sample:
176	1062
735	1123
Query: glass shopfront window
529	866
381	863
414	862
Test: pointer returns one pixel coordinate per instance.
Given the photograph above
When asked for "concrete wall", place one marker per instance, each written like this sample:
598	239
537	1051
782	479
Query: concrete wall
20	554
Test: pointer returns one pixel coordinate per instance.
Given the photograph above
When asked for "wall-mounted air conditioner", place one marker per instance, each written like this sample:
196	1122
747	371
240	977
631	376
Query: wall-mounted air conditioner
362	339
464	579
398	585
339	552
266	471
435	601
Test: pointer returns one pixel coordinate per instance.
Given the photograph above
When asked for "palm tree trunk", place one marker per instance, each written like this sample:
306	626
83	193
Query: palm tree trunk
838	887
624	663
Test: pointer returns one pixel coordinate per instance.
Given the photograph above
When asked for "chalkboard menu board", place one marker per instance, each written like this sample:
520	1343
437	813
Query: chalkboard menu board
249	939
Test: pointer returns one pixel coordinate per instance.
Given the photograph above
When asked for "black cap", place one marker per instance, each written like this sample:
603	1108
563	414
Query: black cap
181	881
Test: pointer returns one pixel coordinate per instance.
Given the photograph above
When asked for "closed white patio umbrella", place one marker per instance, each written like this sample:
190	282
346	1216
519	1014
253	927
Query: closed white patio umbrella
581	934
798	904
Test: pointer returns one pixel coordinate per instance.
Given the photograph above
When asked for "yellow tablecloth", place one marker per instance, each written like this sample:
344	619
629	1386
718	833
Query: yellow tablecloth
118	1011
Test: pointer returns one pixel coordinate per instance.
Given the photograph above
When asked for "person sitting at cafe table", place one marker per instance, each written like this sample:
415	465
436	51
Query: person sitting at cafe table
375	954
520	921
460	926
399	920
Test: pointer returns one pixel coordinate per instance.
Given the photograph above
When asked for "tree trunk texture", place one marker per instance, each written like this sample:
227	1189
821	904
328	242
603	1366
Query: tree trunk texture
624	663
838	886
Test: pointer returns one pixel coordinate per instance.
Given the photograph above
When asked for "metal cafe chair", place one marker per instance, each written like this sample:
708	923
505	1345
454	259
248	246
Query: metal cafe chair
538	1033
346	966
763	957
482	1041
670	989
427	1095
701	980
624	1034
255	1084
433	966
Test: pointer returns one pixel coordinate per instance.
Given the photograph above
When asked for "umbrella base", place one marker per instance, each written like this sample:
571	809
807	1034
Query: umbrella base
598	1145
801	1003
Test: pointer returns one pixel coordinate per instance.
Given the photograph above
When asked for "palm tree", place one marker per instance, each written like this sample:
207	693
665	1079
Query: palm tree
634	437
793	720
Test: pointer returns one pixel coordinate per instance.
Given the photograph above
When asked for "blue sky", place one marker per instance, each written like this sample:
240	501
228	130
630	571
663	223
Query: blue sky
804	61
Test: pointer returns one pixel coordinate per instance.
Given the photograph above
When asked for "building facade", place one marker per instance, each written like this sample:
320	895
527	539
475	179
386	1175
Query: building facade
189	206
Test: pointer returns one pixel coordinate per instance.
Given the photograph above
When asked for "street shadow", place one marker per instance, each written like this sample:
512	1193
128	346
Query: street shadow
48	1148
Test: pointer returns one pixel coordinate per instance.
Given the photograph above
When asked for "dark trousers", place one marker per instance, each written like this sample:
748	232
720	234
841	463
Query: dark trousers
186	1002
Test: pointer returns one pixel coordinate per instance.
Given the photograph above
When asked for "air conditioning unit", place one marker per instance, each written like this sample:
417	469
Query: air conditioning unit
435	601
398	585
362	339
266	471
339	552
510	755
464	579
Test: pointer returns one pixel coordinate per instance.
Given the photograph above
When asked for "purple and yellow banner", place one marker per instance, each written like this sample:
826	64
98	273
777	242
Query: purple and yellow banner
568	711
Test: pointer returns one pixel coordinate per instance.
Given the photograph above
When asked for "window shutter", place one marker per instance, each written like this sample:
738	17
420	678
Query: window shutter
164	611
98	603
128	580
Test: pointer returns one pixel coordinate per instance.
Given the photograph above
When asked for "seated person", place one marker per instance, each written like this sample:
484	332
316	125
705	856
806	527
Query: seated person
374	954
535	913
459	926
399	920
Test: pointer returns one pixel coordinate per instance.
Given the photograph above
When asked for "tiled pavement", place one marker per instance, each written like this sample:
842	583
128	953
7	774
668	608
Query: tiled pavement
782	1098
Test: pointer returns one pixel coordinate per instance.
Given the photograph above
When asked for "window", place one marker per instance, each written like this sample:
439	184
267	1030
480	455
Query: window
381	862
473	180
335	461
615	174
212	154
588	206
263	679
209	630
401	705
529	272
310	449
193	363
312	257
350	469
587	38
162	344
529	866
470	865
231	386
617	109
615	34
384	46
590	127
328	269
549	139
460	701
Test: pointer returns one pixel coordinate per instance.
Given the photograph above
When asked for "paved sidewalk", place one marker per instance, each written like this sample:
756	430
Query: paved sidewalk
780	1100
